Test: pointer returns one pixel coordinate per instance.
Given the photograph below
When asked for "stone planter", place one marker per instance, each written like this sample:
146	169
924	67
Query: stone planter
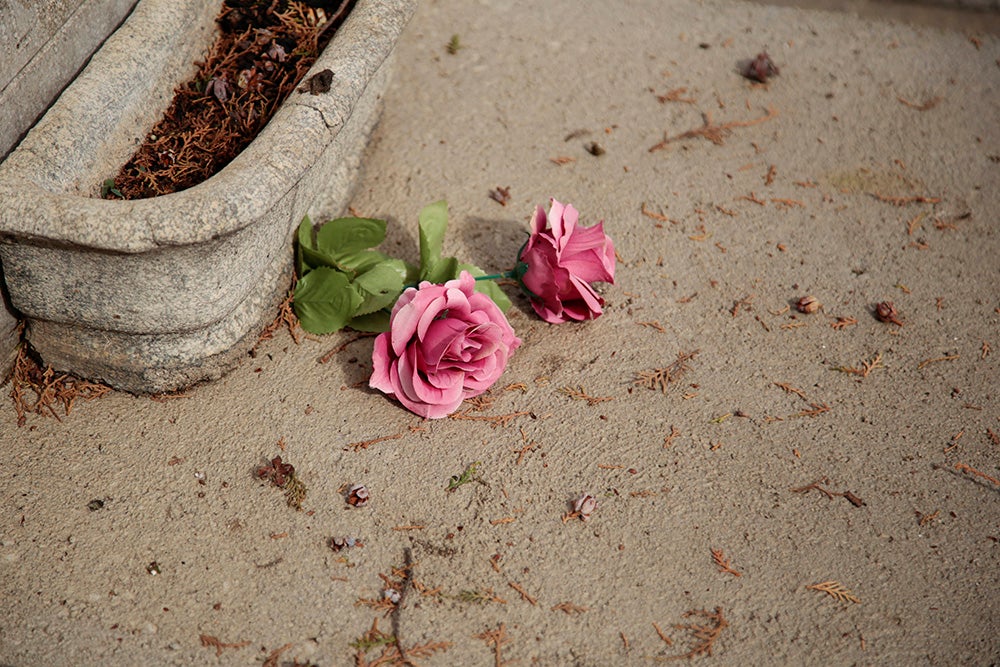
152	295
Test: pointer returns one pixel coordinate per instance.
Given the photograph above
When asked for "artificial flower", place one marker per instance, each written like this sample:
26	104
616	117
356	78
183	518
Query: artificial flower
560	260
445	343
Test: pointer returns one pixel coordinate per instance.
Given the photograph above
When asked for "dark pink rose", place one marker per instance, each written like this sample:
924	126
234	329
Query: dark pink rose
445	343
560	261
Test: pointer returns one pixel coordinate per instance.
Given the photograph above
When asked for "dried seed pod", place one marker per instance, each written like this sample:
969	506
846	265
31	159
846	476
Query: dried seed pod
357	495
886	312
761	68
808	304
338	543
585	506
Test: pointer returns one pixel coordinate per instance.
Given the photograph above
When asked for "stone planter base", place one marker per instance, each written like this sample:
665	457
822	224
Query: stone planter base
152	295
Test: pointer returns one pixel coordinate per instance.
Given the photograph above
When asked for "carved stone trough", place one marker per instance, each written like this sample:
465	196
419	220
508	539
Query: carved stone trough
153	295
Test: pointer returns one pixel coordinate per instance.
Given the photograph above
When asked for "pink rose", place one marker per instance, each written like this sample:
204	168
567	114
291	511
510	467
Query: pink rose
445	343
560	262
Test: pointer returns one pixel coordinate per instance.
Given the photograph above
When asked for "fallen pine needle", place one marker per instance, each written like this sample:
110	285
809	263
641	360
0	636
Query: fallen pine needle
493	420
723	563
666	640
843	322
579	394
927	362
815	410
715	133
791	390
903	201
652	214
925	106
706	635
209	640
495	638
787	203
569	608
506	519
365	444
866	366
272	657
927	518
835	589
524	594
978	473
343	346
954	441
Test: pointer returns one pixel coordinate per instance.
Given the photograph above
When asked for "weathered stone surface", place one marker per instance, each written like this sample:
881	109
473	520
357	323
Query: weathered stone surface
43	44
154	294
8	342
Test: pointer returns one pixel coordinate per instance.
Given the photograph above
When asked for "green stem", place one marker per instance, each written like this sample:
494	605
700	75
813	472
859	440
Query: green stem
498	276
493	276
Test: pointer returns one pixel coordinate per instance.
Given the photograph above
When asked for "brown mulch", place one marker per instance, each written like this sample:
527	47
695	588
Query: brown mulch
262	52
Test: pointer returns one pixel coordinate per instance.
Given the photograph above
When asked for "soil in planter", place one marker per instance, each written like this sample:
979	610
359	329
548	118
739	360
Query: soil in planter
261	54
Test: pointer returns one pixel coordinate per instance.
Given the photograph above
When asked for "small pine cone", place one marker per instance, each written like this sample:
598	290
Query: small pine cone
808	304
357	495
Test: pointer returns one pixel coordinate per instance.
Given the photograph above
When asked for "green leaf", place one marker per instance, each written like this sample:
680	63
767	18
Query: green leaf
325	300
345	236
433	223
442	271
487	287
305	239
412	276
346	242
376	322
380	286
314	258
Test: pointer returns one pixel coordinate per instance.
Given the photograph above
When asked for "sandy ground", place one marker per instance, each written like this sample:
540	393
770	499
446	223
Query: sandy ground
732	234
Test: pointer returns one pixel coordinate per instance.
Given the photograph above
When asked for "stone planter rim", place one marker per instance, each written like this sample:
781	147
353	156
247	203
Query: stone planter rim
216	208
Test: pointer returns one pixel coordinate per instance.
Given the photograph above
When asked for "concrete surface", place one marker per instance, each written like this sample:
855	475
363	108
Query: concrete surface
710	464
152	295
